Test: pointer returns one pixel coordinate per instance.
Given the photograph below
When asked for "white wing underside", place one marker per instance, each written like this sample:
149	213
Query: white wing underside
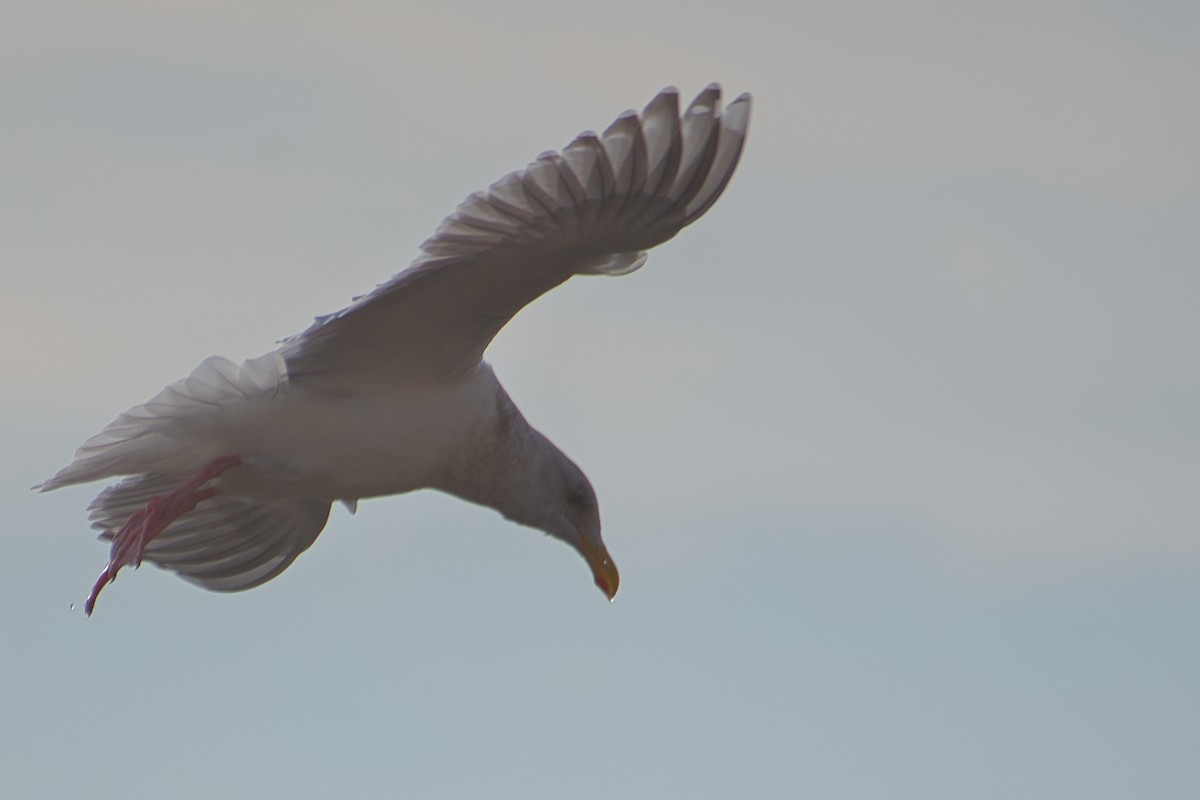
592	209
227	543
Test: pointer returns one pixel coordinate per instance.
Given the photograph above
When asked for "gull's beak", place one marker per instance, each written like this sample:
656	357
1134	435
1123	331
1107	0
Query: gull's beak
603	568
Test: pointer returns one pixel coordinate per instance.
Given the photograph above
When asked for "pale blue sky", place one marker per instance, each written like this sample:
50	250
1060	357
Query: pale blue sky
897	449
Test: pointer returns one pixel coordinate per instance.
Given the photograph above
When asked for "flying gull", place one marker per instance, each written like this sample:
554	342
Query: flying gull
228	474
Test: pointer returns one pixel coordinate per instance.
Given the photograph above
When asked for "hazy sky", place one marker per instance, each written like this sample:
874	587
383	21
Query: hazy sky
897	449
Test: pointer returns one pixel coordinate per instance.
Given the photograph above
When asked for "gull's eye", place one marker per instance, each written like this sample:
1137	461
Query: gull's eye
576	499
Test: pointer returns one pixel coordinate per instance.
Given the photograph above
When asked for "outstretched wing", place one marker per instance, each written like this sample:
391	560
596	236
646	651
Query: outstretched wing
592	209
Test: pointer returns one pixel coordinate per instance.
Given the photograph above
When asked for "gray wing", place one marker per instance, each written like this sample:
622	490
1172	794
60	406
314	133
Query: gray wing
592	209
227	543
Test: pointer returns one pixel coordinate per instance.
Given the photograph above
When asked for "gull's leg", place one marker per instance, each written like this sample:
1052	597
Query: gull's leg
146	523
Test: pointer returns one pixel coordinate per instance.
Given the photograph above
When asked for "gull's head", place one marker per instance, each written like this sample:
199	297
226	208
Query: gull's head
520	473
559	500
582	531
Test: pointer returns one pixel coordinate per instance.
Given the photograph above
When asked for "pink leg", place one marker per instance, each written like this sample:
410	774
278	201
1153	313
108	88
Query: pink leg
146	523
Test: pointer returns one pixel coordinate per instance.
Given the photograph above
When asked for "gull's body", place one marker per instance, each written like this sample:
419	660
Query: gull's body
307	441
231	471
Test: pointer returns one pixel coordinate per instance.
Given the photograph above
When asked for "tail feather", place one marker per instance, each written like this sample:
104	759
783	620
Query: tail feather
146	438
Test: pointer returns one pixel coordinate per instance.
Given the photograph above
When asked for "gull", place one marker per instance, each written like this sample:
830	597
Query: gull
229	474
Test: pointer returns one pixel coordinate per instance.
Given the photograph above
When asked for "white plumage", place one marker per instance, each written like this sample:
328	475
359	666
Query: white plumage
391	394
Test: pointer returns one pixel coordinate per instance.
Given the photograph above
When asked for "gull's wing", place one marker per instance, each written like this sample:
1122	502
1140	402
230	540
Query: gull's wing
592	209
227	543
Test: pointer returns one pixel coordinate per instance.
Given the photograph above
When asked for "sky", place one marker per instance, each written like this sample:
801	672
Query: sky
897	448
